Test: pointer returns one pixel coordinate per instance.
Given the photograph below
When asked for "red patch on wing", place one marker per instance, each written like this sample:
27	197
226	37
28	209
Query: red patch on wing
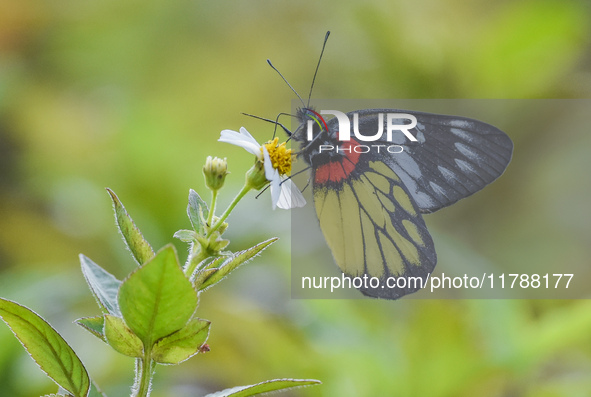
336	171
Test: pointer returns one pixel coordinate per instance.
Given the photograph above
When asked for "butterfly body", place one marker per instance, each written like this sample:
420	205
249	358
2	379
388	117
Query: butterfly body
369	198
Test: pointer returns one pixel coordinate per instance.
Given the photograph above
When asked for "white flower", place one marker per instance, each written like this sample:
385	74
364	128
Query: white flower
284	193
242	139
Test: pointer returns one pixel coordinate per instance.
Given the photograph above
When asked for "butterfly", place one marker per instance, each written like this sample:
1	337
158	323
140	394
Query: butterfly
370	198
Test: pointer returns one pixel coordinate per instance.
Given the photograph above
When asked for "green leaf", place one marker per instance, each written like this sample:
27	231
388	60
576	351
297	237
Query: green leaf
217	262
139	247
104	285
94	325
198	264
218	245
183	344
265	387
187	236
157	299
235	260
205	269
202	275
197	211
47	347
121	338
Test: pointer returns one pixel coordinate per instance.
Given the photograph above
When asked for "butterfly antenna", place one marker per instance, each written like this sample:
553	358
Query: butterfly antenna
317	66
297	173
286	82
281	183
305	187
287	131
262	191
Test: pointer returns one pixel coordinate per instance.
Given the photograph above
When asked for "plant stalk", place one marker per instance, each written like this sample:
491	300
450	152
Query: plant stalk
214	196
195	261
144	378
245	189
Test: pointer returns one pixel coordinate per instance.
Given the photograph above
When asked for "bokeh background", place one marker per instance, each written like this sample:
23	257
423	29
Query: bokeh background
132	95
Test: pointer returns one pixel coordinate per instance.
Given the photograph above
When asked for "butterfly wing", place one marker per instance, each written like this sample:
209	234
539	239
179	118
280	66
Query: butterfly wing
372	226
453	157
369	205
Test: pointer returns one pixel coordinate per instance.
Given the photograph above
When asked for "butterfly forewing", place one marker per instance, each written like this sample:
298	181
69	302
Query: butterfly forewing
452	158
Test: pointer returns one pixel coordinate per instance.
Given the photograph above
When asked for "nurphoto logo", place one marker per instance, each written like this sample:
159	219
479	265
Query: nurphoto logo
393	122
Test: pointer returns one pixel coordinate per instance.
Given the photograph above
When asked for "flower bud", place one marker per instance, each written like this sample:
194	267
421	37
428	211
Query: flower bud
222	228
255	177
215	171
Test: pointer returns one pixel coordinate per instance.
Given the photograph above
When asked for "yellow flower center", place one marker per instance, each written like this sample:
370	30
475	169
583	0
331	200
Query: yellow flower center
280	156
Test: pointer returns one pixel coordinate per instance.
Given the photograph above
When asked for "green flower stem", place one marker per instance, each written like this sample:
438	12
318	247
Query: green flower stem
145	377
214	197
245	189
203	253
196	260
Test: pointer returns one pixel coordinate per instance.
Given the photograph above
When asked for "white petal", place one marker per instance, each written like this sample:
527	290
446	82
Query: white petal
242	139
243	131
272	175
270	172
290	197
275	191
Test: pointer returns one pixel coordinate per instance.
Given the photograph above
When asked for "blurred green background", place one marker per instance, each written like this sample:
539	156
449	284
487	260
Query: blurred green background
132	95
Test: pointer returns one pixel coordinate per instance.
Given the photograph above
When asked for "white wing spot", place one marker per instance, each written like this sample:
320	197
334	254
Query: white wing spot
423	200
465	166
420	135
466	151
461	134
459	123
447	174
437	189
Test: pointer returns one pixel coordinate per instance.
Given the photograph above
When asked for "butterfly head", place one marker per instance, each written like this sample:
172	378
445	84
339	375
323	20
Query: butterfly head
314	134
303	115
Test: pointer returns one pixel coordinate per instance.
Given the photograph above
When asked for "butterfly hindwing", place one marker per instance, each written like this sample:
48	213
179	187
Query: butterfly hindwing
373	226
